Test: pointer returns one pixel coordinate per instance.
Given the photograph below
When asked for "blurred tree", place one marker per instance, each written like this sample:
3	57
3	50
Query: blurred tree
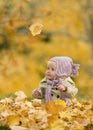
68	30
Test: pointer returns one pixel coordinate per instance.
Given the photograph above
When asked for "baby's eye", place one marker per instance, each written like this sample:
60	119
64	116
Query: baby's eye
47	68
53	69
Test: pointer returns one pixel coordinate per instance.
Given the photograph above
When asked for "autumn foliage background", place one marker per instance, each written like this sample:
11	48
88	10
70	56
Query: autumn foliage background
68	30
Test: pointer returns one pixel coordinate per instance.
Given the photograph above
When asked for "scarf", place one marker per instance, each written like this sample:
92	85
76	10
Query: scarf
50	84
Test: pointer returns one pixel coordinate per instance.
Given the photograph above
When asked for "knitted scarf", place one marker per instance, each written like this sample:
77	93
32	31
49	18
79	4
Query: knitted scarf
50	84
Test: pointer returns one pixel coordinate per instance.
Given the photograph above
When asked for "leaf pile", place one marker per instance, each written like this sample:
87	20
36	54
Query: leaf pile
19	113
77	117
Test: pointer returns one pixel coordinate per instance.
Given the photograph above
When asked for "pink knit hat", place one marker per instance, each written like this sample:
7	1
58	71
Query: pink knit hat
65	66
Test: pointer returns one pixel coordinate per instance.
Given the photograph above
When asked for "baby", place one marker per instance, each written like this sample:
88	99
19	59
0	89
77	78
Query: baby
57	83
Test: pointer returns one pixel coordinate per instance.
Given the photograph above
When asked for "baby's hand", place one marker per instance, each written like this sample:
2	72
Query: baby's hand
37	93
61	88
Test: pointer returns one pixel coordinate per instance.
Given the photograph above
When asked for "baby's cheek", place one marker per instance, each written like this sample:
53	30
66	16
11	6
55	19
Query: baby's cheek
45	72
55	75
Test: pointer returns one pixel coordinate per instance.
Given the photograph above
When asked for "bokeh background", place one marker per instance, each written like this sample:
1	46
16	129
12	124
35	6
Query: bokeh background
68	31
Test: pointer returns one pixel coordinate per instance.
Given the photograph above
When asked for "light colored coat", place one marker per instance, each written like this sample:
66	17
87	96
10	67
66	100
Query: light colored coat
55	93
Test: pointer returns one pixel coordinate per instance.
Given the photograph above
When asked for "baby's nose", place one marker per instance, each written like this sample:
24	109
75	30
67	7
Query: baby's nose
48	71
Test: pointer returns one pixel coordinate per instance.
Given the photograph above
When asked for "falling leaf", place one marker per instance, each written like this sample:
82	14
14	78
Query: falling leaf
36	28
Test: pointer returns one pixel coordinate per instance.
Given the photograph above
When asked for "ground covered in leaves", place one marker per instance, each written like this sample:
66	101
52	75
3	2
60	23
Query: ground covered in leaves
21	113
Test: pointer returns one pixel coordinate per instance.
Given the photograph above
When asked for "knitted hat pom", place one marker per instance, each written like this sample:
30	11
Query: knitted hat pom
75	68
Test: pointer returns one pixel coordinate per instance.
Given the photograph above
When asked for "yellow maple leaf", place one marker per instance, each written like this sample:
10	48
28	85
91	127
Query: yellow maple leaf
36	28
13	119
52	107
65	115
57	125
18	128
60	102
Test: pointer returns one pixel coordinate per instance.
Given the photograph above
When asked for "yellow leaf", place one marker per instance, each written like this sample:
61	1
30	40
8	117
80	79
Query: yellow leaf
18	128
65	115
57	125
60	102
13	119
36	28
53	108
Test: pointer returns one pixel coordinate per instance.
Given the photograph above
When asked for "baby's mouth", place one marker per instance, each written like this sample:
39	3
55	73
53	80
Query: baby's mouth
48	74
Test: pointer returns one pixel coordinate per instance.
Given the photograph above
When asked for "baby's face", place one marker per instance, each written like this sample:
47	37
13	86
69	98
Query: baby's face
51	70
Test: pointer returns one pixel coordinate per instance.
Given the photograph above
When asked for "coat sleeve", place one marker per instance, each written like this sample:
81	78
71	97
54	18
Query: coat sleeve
71	88
41	87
